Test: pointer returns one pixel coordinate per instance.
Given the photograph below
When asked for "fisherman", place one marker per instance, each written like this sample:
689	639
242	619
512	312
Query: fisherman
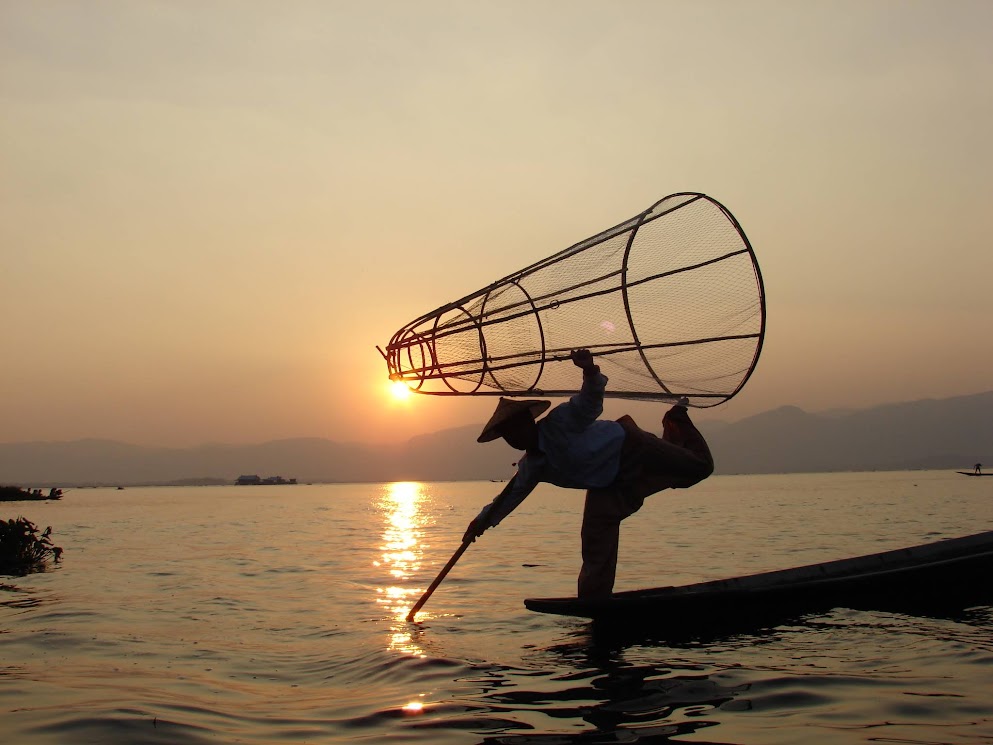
616	462
979	469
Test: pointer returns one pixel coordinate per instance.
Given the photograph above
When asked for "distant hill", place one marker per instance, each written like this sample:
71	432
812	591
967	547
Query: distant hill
449	455
947	433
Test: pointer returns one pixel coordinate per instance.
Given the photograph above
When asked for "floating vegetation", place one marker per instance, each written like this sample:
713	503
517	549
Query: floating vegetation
23	549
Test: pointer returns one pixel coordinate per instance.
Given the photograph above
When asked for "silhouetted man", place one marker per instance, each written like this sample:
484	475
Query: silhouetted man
616	462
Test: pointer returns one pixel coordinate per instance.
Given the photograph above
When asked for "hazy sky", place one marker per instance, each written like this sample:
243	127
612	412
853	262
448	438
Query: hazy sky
212	212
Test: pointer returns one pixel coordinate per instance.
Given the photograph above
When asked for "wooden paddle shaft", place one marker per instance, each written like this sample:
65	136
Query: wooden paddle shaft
437	580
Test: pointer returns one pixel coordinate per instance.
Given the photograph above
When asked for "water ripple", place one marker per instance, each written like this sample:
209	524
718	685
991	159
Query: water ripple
215	615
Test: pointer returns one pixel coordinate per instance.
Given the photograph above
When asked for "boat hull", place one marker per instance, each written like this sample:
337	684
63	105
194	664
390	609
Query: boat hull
951	568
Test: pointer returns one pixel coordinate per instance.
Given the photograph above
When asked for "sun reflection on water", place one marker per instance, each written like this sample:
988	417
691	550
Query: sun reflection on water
401	558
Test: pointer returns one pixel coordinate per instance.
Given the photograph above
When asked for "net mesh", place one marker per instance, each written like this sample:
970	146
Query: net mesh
670	302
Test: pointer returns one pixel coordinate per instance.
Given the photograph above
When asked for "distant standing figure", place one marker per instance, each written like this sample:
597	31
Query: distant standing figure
979	469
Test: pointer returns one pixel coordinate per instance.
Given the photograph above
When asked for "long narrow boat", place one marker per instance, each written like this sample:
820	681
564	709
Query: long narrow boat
944	568
973	473
17	494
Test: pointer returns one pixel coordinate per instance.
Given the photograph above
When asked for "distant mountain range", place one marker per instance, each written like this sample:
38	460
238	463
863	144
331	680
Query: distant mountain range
948	433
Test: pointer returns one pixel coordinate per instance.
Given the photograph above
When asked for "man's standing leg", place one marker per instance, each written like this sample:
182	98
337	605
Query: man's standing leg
601	532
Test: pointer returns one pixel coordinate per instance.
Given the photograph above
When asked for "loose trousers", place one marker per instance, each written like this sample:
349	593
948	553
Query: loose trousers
649	464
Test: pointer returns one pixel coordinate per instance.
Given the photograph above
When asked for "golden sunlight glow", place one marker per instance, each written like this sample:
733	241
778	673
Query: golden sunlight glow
400	506
400	390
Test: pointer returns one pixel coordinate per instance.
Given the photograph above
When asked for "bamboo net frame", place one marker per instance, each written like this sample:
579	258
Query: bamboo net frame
671	302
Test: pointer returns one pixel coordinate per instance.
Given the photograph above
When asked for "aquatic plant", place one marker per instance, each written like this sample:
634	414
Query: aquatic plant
23	549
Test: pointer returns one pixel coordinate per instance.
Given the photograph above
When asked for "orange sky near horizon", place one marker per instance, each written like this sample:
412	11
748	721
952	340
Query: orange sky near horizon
213	212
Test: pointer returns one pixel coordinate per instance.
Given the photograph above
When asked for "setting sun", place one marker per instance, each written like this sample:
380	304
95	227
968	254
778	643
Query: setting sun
399	390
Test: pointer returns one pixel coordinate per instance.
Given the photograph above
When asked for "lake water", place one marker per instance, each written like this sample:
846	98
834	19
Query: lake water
276	614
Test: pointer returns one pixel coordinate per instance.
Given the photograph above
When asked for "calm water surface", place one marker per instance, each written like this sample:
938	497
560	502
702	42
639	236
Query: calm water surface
276	614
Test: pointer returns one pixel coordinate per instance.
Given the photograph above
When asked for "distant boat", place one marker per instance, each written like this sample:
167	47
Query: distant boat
17	494
973	473
255	480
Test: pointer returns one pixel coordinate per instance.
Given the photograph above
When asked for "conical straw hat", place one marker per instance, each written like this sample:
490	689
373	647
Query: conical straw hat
508	408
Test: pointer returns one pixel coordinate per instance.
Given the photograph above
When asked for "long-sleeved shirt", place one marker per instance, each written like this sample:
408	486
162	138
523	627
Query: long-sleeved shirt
575	450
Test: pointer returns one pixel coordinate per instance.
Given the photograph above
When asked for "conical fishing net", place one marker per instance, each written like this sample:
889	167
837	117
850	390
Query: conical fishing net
670	302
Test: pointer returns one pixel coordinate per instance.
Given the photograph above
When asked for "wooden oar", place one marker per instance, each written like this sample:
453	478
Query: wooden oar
437	580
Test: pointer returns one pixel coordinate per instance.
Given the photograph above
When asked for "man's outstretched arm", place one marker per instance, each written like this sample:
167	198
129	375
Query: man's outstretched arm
515	492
